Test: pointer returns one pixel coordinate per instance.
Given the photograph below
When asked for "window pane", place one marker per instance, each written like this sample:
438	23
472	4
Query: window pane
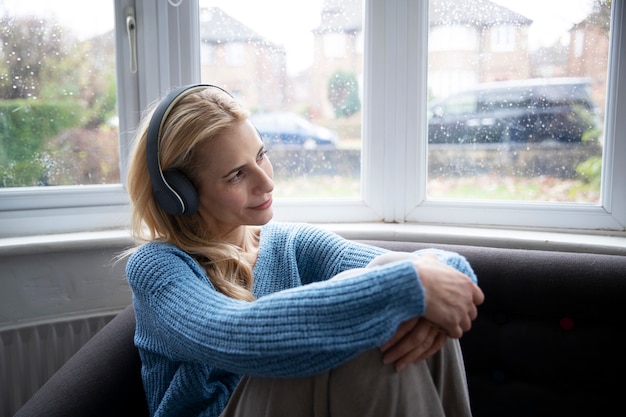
57	93
518	115
299	72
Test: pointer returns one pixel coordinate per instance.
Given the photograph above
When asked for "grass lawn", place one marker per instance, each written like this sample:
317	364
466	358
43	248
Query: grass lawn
486	187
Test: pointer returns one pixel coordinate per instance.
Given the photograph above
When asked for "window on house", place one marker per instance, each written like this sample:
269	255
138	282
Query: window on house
503	38
466	36
335	45
235	54
58	118
531	136
579	42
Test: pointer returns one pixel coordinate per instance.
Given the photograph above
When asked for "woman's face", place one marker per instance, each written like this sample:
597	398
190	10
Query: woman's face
235	186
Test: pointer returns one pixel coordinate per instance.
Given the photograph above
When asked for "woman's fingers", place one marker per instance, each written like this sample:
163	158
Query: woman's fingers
403	329
416	339
421	354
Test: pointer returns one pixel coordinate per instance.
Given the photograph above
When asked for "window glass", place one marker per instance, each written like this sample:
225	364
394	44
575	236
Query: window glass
539	87
57	93
299	72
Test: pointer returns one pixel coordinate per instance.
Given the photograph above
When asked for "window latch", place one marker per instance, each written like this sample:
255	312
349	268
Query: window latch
131	29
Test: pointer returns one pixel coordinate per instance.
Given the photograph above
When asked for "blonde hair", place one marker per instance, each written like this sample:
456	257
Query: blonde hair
198	117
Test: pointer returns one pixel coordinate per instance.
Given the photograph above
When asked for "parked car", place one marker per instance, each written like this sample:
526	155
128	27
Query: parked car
536	110
290	130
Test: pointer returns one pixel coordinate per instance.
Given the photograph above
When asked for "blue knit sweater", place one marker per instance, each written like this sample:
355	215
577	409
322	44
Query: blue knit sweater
195	343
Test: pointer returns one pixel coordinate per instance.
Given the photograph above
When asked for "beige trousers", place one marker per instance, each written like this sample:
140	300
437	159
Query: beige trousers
363	387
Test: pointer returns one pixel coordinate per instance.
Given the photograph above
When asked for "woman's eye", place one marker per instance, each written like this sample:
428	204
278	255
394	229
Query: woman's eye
236	176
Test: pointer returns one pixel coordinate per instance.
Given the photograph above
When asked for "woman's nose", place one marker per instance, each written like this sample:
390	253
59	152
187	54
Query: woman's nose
265	183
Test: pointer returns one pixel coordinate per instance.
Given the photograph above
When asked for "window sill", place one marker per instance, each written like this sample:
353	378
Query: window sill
613	243
604	243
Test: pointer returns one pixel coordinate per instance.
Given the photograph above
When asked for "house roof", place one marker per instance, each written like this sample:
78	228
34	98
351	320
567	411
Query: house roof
347	15
341	16
216	26
475	12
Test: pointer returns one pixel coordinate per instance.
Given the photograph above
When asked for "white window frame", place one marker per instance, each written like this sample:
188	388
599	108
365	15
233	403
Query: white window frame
610	214
393	161
503	37
455	38
167	53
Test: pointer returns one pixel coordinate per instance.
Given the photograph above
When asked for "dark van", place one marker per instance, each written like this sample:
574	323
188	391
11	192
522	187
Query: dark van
557	110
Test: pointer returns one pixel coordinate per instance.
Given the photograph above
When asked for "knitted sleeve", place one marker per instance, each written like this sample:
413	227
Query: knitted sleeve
296	331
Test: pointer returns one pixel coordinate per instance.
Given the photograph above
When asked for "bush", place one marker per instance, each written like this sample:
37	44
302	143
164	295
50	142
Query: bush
25	127
590	170
343	93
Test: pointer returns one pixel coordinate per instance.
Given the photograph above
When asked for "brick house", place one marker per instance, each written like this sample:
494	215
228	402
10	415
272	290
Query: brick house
589	51
469	43
474	42
252	68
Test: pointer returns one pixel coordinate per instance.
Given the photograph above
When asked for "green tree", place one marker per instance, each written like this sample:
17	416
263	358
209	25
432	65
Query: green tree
601	15
343	93
49	83
32	48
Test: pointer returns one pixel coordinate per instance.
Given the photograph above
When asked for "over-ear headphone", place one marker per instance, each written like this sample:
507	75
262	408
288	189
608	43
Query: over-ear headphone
172	190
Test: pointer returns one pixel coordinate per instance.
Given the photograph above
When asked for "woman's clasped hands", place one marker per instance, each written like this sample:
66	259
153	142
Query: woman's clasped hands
451	306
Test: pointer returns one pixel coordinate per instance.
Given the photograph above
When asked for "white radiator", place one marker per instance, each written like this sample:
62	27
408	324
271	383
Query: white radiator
30	355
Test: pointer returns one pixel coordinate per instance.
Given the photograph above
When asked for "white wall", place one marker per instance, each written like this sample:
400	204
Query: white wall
61	277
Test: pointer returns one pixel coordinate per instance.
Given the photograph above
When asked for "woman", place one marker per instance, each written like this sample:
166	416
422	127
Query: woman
240	315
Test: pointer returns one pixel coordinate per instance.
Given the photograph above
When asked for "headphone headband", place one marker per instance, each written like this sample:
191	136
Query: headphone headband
172	191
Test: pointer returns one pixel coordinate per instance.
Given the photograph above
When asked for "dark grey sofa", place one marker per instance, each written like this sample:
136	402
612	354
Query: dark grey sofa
549	341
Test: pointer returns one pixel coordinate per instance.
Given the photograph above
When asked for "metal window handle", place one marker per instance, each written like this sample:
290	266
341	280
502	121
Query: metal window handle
131	29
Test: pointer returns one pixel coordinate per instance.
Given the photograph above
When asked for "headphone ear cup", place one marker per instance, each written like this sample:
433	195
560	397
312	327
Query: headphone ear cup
183	196
172	191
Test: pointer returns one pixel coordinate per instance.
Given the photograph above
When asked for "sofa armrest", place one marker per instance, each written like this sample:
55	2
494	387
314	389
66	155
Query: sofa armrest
102	379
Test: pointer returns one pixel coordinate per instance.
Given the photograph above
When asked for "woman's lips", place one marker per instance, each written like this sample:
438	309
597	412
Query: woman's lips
263	206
